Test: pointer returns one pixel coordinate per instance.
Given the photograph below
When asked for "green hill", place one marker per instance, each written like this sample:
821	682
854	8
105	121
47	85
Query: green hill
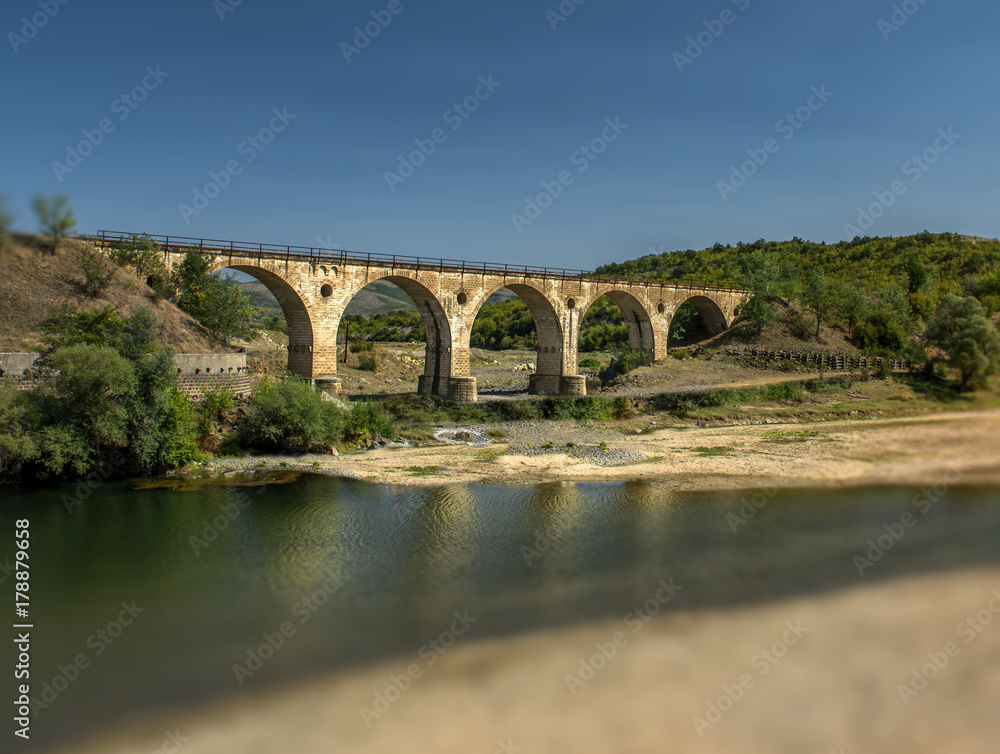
950	262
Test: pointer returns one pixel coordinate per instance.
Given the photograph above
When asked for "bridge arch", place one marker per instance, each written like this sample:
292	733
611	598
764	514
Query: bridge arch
711	313
640	322
439	367
548	328
300	327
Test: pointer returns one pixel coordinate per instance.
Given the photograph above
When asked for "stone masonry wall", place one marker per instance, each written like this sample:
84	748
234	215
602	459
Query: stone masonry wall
196	373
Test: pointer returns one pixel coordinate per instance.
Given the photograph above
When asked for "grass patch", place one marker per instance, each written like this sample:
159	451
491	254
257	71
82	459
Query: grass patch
487	456
423	470
704	452
793	435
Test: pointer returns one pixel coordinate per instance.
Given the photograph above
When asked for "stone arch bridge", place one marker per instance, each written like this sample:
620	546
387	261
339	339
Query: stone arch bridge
314	287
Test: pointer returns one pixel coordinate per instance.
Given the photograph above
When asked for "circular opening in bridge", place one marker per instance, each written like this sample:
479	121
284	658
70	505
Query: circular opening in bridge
461	298
660	308
571	303
326	291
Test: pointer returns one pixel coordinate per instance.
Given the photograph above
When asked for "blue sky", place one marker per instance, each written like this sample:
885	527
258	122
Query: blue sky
322	178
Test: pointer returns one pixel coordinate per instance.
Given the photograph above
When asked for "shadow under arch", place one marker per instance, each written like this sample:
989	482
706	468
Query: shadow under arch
300	329
638	323
711	313
438	367
548	330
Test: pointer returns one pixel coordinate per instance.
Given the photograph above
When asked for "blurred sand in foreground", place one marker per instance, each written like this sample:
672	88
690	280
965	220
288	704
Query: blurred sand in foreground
835	688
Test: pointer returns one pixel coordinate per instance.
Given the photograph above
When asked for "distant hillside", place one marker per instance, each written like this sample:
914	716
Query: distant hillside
872	262
35	283
380	297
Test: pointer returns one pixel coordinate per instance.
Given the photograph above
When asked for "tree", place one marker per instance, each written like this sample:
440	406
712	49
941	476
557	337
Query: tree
816	294
971	343
146	259
80	406
852	302
758	271
218	303
55	217
915	273
887	324
107	387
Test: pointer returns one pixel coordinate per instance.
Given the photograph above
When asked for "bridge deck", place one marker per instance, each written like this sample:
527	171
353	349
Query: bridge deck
182	244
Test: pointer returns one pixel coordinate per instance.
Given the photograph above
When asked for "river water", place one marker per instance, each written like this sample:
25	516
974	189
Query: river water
357	572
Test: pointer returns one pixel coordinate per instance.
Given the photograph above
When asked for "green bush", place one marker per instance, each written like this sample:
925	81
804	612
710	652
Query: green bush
590	363
362	346
367	362
98	271
289	416
629	360
215	404
366	419
623	408
680	353
582	408
682	403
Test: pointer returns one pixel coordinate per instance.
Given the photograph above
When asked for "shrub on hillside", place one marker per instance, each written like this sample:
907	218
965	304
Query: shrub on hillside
98	271
289	416
590	363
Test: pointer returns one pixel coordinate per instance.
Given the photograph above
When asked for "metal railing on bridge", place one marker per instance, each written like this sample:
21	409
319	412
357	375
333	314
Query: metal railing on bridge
183	244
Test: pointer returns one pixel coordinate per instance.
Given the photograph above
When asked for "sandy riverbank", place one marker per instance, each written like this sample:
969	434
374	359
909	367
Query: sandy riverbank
836	686
915	450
